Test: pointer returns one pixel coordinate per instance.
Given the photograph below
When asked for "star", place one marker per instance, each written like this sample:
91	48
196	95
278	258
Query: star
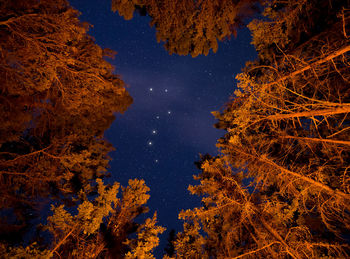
151	89
150	143
157	117
166	90
169	112
156	161
154	132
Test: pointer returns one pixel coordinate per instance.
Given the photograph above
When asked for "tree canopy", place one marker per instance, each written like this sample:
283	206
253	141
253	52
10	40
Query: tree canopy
58	96
279	187
187	26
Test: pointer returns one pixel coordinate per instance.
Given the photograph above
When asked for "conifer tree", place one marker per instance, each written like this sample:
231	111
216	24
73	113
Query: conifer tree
58	95
94	232
187	26
280	186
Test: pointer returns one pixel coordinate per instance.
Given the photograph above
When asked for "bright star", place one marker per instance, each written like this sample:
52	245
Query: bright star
169	112
154	132
150	143
151	89
166	90
156	160
157	117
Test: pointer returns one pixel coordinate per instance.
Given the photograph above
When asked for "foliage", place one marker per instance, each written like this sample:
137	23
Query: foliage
147	239
279	187
87	233
31	251
190	27
58	95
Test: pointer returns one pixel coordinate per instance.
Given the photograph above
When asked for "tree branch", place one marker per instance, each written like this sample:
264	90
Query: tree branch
342	142
257	250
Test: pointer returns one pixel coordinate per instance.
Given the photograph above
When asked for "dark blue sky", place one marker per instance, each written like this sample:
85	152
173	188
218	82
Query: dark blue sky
160	136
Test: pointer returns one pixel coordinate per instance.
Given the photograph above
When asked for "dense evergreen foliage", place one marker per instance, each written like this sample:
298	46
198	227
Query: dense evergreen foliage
280	186
58	95
187	26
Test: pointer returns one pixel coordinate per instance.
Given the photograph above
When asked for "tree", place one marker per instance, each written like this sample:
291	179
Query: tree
91	232
280	185
190	27
50	64
58	95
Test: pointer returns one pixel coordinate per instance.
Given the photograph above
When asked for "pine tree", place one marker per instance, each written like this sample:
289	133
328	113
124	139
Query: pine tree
93	231
58	95
280	186
190	27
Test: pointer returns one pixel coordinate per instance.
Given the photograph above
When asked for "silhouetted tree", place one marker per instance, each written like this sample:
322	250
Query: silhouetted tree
169	249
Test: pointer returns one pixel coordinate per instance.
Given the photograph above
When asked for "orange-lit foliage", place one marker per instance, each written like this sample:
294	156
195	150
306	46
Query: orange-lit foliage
58	96
187	26
280	187
100	229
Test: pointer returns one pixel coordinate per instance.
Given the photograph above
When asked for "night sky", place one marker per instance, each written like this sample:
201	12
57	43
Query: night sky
169	123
